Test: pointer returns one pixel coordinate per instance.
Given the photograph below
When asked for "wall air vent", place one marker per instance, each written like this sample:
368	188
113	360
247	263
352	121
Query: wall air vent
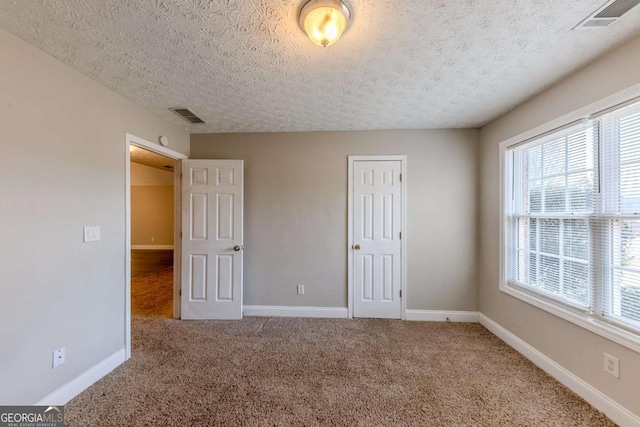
188	115
608	14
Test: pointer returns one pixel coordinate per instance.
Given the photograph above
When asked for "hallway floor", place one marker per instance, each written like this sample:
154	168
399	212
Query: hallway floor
152	283
150	261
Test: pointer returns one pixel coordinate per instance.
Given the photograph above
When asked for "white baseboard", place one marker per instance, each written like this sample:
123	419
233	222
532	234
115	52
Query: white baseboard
441	316
291	311
83	381
343	313
616	412
152	247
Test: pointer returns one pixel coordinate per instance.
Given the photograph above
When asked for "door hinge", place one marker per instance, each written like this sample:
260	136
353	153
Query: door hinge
400	293
181	292
181	234
400	177
401	235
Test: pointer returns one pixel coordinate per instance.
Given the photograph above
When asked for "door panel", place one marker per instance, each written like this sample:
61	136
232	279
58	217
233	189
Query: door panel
224	280
225	217
199	214
198	273
377	198
212	204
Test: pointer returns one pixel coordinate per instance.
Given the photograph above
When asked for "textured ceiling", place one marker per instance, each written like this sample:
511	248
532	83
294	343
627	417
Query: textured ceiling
149	158
245	66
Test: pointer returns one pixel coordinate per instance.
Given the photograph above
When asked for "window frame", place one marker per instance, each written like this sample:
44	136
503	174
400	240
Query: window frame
590	319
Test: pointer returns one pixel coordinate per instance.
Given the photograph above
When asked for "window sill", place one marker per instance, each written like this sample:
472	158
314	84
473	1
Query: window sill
611	332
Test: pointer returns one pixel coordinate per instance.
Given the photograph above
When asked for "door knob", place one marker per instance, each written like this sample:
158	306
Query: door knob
236	248
356	247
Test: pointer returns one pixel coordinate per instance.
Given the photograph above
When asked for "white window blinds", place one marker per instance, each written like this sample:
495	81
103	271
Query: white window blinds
573	217
553	196
618	241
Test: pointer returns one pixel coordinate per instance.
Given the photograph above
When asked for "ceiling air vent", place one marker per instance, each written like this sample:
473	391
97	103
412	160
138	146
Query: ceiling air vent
189	115
609	13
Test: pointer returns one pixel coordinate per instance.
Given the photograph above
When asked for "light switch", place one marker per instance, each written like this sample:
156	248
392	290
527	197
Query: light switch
91	233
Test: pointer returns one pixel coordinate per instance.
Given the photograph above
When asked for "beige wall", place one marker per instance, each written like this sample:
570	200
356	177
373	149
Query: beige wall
151	215
574	348
143	175
64	167
296	213
152	206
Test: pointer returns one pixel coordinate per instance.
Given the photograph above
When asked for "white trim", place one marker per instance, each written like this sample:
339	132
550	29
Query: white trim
177	237
151	247
404	228
503	238
405	234
442	316
152	146
83	381
350	238
616	412
295	311
130	139
127	247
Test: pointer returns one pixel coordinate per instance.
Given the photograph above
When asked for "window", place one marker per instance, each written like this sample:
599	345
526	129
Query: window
572	220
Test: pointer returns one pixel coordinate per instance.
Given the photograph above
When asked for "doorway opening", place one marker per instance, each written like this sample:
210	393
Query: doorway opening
152	231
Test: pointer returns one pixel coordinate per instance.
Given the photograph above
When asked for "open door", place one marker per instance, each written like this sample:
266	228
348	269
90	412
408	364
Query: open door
212	239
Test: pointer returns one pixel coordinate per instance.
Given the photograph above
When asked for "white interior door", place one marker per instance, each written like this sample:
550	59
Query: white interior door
212	239
377	221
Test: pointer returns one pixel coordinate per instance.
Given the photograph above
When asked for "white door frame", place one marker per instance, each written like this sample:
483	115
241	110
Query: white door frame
177	211
403	227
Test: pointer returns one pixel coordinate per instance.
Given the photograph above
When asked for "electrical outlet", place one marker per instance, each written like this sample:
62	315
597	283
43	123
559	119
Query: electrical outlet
58	357
611	365
300	289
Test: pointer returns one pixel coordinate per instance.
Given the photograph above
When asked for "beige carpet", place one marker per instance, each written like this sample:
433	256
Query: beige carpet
324	372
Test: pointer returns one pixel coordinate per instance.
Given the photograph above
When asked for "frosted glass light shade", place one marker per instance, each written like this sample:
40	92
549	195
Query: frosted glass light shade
324	21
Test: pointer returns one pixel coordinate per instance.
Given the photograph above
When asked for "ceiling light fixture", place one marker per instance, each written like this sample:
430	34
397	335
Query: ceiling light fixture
132	148
324	21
